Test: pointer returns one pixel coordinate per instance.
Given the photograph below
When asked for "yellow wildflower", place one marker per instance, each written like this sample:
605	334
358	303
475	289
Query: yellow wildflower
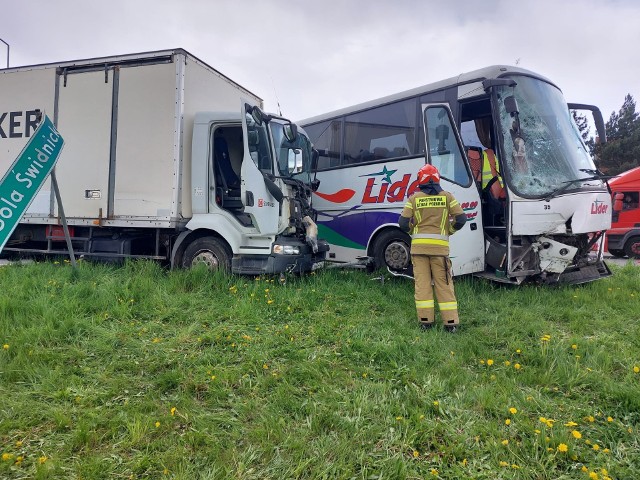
436	403
416	454
173	411
434	472
596	447
7	456
5	346
513	411
42	459
489	362
507	421
593	475
574	346
505	442
636	369
571	424
609	419
504	464
157	424
517	366
576	434
563	447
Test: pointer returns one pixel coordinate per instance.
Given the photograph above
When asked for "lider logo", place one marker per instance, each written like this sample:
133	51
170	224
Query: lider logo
598	207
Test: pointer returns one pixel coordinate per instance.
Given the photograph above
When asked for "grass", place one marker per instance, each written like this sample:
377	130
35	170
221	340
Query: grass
135	372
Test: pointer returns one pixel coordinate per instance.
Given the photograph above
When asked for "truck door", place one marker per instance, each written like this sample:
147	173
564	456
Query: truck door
84	119
444	151
257	164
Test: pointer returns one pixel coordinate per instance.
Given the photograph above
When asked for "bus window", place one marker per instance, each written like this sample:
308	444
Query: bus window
444	149
382	133
327	142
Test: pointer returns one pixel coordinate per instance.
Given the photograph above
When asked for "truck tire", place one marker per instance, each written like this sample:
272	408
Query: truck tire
632	247
616	253
392	249
210	251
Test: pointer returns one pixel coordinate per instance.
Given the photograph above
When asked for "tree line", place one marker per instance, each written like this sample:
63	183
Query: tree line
621	152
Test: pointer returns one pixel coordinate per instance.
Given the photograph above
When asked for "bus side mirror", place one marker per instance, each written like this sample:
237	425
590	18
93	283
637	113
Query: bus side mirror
617	201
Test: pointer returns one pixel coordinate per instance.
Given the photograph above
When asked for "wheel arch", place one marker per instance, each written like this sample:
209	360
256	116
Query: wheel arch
186	238
378	232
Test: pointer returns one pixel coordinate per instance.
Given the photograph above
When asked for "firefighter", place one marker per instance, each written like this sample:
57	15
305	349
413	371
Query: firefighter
431	215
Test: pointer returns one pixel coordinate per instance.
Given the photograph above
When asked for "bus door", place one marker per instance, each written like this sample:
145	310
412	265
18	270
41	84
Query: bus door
444	151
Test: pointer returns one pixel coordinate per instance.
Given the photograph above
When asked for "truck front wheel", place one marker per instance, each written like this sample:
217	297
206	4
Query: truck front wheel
209	251
632	247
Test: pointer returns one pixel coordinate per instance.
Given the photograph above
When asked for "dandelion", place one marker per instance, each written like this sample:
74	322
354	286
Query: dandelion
505	442
576	434
5	346
464	462
7	456
42	459
504	464
605	450
157	424
563	447
265	366
571	424
636	369
173	411
591	419
546	338
609	419
593	475
156	340
436	403
19	443
416	454
507	421
19	460
434	472
574	346
513	411
514	466
507	363
584	468
165	471
596	447
213	377
518	351
489	362
399	418
517	366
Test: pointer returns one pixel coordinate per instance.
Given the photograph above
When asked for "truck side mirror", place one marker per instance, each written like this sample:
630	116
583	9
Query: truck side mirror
290	131
617	201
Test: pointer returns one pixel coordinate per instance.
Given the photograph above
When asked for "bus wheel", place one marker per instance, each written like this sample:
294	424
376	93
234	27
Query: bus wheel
632	247
392	249
209	251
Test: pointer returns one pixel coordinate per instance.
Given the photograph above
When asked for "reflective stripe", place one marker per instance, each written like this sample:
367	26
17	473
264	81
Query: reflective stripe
429	241
430	235
453	203
408	205
424	303
448	306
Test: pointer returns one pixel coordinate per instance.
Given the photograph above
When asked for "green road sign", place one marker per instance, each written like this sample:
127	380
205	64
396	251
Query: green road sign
24	178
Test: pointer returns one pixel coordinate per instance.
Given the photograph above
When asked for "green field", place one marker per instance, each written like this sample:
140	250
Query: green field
136	372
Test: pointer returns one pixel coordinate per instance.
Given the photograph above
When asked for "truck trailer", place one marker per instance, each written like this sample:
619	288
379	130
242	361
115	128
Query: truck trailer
164	158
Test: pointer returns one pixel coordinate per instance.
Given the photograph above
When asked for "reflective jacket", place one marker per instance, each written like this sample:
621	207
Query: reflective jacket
431	221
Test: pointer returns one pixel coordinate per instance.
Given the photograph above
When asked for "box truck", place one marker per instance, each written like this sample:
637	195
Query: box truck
164	158
624	236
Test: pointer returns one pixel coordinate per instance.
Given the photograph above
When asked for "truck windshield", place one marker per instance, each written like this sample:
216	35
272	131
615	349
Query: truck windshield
543	150
294	158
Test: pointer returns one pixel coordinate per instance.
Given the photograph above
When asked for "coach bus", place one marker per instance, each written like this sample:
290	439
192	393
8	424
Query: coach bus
506	146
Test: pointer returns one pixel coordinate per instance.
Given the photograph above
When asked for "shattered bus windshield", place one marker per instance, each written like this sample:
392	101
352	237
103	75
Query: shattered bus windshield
542	144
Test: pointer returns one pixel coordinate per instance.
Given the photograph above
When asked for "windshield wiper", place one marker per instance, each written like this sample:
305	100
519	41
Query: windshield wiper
567	184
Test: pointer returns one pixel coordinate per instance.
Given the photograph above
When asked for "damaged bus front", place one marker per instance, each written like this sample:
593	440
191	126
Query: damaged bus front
556	203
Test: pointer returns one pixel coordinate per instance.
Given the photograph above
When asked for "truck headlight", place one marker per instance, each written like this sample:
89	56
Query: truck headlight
286	249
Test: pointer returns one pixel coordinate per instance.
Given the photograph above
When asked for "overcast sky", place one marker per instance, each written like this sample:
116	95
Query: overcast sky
316	56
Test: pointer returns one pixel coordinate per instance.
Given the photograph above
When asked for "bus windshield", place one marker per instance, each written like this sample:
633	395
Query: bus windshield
294	158
544	152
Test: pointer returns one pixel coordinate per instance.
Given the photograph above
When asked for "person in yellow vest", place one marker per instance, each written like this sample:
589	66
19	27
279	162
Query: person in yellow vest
431	215
491	170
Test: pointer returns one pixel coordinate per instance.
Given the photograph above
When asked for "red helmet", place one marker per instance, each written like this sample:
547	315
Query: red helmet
428	173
